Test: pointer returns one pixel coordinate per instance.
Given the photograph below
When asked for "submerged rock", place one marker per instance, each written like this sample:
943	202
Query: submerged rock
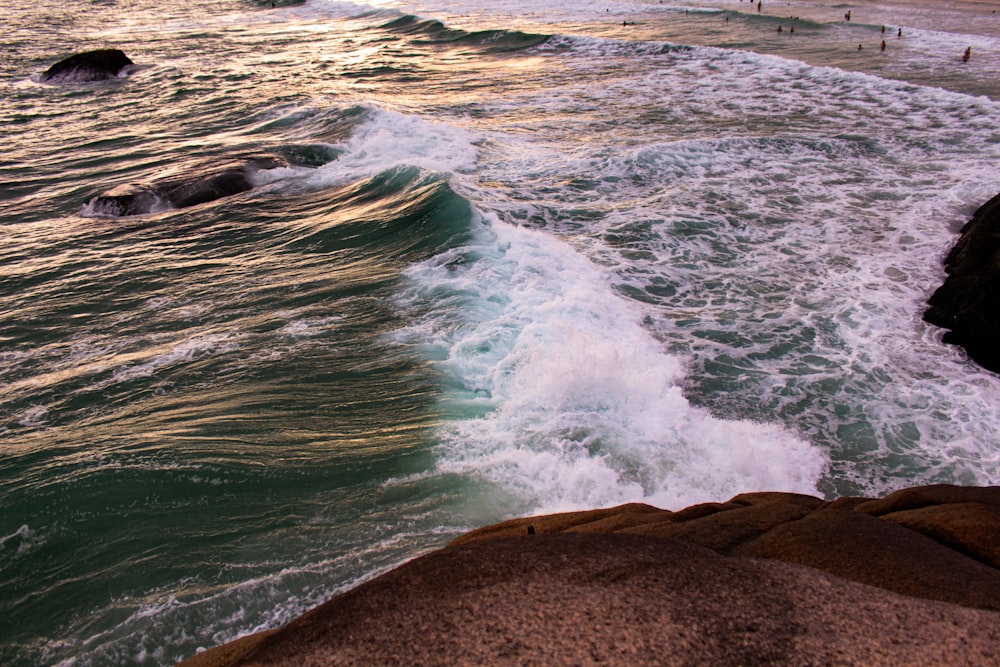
968	303
203	185
764	578
88	66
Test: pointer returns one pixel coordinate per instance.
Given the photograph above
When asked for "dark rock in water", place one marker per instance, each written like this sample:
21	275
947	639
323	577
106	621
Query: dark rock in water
126	200
89	66
968	303
191	190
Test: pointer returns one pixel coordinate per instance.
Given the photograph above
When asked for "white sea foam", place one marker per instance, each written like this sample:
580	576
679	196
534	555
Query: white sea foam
33	416
785	224
267	176
389	139
178	352
311	326
19	543
569	401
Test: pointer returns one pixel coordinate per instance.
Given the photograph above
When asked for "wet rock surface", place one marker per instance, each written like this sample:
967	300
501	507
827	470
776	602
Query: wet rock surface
968	303
96	65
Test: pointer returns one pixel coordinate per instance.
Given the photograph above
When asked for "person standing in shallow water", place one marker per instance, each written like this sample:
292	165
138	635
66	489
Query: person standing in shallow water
967	55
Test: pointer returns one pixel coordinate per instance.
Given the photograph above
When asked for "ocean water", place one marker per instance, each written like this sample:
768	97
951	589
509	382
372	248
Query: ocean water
519	256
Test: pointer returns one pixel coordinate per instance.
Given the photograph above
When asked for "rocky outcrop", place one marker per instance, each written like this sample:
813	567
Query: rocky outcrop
761	578
968	303
200	186
88	66
938	542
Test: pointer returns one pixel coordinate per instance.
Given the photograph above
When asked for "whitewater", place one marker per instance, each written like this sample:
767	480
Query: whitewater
515	257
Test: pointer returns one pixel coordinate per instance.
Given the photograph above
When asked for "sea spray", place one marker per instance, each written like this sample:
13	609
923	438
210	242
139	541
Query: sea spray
562	399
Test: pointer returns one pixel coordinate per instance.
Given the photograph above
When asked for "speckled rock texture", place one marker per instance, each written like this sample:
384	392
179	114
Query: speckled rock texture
764	578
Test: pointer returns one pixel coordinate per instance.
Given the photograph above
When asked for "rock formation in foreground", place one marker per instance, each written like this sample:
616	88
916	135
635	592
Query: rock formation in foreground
968	303
88	66
763	578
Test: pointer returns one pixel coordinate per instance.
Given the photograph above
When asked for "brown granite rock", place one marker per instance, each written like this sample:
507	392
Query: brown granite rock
702	510
972	529
846	503
587	599
770	497
935	494
230	653
630	514
880	553
724	531
640	585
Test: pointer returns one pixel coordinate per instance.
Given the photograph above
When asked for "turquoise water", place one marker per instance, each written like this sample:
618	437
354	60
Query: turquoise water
518	257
